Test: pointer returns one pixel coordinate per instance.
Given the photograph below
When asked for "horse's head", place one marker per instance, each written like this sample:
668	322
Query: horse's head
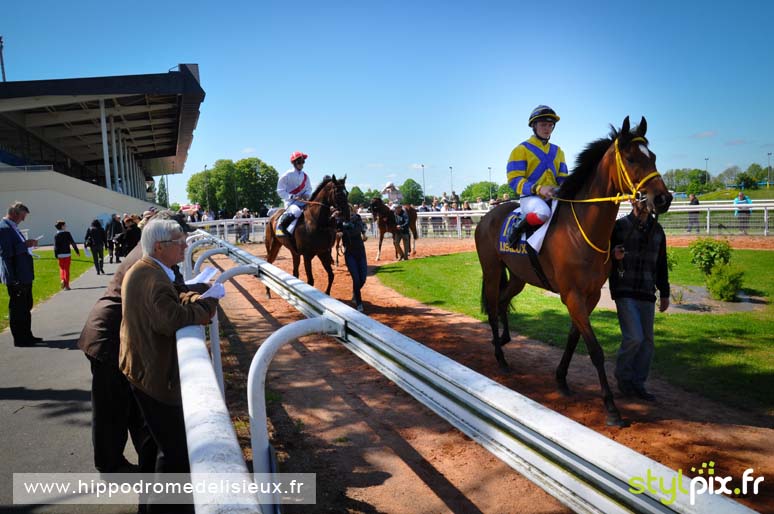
636	168
376	205
332	193
341	197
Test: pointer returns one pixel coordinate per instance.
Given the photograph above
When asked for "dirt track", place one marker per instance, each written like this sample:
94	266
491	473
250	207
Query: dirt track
375	449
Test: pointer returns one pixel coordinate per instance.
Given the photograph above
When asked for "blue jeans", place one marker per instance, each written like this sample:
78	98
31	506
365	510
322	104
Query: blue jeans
636	352
358	269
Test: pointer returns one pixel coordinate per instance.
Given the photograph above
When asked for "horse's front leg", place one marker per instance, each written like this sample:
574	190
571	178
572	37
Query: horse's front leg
564	365
579	312
327	262
381	239
296	263
308	269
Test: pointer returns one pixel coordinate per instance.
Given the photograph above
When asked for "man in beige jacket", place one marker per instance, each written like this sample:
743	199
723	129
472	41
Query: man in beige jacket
153	310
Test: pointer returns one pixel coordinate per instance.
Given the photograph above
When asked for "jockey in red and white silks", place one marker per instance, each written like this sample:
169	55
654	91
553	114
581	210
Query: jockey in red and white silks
293	187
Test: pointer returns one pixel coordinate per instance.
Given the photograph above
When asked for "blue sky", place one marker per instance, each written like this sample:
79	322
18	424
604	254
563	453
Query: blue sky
374	89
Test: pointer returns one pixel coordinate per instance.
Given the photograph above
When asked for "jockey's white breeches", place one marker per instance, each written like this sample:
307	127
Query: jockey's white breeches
295	208
535	204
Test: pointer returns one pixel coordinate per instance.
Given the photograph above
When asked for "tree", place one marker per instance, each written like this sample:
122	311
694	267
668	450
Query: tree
162	198
745	181
757	172
230	185
371	193
485	190
356	196
411	191
503	190
728	176
174	206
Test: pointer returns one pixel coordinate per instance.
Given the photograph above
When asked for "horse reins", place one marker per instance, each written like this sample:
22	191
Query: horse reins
623	180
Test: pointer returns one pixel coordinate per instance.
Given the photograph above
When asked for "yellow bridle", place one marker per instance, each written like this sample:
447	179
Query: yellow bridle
624	180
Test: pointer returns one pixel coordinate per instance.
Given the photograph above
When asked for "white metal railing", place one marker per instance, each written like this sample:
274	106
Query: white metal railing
213	447
715	218
581	468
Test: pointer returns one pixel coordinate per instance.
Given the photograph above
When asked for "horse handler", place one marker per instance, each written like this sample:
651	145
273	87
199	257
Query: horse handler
353	235
294	187
641	267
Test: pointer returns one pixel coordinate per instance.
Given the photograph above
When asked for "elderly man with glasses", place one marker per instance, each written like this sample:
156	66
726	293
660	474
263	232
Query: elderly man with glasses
153	310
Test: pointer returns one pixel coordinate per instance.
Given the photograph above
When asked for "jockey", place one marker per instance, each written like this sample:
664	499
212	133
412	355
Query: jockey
536	168
293	187
393	193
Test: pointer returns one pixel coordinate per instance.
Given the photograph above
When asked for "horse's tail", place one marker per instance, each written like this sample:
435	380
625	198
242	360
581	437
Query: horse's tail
268	236
484	305
413	222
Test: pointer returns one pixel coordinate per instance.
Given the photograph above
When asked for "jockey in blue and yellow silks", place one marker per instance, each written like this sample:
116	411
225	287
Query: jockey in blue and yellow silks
536	169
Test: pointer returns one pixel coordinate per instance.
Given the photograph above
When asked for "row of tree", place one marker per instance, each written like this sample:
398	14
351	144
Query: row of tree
229	186
699	181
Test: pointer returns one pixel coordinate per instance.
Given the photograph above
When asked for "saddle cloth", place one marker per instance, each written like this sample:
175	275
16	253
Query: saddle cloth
533	238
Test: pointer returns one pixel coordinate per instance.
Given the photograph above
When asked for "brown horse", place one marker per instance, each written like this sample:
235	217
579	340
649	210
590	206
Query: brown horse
575	257
315	230
385	219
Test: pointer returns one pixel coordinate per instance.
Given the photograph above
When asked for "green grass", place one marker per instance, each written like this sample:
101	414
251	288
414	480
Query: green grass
730	194
46	282
727	357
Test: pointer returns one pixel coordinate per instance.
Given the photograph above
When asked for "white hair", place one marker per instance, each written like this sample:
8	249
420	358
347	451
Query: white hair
155	231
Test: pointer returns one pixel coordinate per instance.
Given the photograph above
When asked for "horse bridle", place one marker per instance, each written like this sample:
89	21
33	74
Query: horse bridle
624	179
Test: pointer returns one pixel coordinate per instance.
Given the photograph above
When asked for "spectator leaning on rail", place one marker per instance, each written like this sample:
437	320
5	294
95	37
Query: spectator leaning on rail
113	408
693	216
17	273
639	249
742	212
536	168
153	310
294	187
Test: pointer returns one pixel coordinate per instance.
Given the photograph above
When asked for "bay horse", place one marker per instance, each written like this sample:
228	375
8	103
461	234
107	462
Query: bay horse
384	217
575	256
315	231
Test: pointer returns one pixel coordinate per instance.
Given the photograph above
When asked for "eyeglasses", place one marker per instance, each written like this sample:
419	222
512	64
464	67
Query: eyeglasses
180	242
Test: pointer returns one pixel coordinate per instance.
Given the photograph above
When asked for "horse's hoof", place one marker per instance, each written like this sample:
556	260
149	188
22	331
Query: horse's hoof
505	341
565	390
616	421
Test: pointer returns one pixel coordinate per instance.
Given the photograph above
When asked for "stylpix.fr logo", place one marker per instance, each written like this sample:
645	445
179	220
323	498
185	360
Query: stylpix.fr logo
704	483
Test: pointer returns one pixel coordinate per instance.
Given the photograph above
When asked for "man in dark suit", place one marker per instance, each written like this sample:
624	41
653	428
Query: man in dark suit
17	273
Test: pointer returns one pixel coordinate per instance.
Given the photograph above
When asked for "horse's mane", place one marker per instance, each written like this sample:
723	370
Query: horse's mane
321	185
586	164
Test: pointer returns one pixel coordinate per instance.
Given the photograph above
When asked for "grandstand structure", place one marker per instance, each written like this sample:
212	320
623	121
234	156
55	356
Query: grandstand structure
83	148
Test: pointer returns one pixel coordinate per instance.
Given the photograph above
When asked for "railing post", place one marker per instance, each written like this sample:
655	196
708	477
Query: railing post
256	386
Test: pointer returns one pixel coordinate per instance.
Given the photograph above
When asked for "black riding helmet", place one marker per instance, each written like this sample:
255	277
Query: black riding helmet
542	112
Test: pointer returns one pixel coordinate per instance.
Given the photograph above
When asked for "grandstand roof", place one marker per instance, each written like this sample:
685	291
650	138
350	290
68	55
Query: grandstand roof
157	114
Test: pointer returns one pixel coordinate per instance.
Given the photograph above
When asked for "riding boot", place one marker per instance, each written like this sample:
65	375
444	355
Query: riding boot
284	222
516	232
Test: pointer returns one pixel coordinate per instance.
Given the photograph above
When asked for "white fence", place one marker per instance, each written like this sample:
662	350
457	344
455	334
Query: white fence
711	218
581	468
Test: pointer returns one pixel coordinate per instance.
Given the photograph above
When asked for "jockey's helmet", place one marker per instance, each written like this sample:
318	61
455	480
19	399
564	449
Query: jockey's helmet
297	155
542	112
